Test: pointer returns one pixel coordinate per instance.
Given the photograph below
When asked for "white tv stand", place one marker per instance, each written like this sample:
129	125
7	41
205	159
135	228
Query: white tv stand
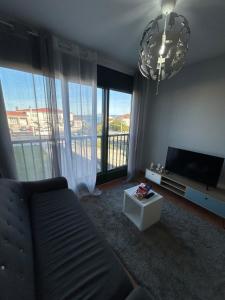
212	199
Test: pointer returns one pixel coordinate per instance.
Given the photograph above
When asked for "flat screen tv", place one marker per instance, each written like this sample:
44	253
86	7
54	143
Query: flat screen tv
197	166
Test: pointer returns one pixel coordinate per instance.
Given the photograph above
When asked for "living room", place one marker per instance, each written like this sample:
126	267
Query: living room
112	172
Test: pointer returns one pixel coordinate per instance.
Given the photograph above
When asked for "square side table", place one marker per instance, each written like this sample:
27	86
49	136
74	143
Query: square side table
143	213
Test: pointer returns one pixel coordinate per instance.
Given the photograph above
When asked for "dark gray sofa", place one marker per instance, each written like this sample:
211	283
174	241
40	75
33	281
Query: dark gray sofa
49	249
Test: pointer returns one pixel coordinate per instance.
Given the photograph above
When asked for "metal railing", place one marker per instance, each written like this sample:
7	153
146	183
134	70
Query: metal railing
34	154
118	145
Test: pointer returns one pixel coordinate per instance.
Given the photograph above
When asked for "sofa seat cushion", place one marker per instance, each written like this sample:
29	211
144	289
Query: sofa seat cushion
71	260
16	252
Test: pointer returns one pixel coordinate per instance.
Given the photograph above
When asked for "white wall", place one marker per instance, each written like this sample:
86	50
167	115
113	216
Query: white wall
189	113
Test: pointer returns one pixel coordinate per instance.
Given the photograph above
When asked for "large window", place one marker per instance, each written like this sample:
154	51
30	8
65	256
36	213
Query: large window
30	124
113	124
118	129
30	128
24	95
114	113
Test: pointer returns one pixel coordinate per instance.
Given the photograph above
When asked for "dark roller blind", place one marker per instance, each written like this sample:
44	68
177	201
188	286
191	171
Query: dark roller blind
19	49
108	78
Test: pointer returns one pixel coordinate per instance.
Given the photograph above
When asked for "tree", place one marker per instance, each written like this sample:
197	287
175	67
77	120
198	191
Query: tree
118	125
99	129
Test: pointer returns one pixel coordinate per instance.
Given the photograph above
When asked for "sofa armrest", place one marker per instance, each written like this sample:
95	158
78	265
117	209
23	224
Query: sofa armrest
46	185
139	293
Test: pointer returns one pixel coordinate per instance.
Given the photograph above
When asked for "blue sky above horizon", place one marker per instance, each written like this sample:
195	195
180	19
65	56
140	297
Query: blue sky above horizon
25	90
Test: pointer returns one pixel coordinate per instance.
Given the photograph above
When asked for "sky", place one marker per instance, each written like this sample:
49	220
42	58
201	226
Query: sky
24	90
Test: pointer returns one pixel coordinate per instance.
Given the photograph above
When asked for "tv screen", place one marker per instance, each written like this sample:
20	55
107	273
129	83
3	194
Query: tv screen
200	167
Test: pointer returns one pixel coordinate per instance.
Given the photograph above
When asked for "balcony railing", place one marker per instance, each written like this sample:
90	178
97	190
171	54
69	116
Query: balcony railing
118	145
33	155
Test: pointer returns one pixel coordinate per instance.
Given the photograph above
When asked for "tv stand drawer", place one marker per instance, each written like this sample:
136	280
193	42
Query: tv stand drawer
153	176
212	204
196	196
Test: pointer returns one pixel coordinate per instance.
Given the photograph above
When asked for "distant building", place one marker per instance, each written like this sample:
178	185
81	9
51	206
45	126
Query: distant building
40	117
17	120
77	123
125	119
38	120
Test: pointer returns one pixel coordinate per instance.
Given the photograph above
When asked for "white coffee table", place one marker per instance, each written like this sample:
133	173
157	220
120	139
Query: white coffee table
142	213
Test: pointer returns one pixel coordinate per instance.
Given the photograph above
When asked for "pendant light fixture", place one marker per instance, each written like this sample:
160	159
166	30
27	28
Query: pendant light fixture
164	44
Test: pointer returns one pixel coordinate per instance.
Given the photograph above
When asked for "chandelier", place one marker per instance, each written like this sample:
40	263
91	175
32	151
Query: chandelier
164	45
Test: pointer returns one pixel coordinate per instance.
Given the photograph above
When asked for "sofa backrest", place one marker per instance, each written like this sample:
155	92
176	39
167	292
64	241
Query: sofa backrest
16	254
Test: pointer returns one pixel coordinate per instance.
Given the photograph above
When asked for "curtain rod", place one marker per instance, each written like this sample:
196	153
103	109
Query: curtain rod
7	23
12	26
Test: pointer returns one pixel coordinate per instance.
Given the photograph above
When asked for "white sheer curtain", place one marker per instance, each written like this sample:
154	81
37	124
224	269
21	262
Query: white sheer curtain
49	90
139	114
33	131
7	161
76	80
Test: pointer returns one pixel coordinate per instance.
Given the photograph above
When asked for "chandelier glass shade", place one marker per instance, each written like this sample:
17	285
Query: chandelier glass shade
164	46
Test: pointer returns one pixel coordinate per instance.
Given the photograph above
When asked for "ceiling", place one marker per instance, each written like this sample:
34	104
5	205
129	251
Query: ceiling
114	27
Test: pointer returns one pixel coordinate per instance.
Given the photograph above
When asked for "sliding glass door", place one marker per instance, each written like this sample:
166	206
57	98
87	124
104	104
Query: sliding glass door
118	129
113	120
